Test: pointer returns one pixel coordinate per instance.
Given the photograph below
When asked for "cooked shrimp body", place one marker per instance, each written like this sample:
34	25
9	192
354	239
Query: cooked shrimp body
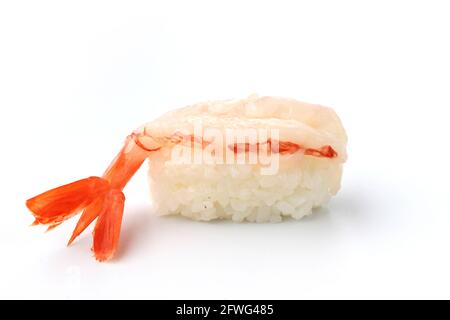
311	130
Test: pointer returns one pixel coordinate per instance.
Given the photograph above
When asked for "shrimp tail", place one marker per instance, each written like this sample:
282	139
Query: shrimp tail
59	204
92	211
107	227
108	210
99	198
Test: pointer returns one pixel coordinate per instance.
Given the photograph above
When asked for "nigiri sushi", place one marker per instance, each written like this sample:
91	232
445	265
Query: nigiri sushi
257	159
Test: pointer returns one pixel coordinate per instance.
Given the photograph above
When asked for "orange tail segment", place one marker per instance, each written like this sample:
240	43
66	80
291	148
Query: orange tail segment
56	205
96	208
107	228
100	198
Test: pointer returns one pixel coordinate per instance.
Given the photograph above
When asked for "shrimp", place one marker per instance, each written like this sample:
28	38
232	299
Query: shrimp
309	130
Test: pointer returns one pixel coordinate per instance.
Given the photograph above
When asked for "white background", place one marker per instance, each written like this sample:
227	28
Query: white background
77	76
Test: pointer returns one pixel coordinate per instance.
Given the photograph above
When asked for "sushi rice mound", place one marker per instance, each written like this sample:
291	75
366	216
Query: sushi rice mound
240	192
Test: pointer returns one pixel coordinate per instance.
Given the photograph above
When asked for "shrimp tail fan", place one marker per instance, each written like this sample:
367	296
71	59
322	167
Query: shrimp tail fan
56	205
98	198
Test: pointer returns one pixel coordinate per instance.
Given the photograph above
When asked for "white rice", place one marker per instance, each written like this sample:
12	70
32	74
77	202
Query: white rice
241	192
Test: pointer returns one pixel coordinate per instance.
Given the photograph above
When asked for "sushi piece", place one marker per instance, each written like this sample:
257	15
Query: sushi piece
257	159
